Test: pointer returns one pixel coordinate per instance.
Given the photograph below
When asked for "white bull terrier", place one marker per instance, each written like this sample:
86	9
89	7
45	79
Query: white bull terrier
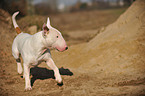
34	49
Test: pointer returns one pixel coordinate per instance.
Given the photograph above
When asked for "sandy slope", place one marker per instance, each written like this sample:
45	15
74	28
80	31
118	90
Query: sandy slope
111	64
118	46
117	52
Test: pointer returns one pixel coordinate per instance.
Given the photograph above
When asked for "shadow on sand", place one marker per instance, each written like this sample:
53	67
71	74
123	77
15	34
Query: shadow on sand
44	73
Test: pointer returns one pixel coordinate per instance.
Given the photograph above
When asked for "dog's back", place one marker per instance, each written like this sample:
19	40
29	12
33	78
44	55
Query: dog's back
21	38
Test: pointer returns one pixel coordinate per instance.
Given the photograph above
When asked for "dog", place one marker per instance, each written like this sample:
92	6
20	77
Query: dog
36	48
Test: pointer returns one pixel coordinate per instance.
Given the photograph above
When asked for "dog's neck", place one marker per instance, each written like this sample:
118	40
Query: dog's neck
40	45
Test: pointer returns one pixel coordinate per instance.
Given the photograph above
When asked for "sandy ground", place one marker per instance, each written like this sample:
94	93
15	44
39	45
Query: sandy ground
110	64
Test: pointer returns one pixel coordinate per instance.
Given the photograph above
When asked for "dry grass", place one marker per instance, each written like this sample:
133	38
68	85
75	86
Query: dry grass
83	20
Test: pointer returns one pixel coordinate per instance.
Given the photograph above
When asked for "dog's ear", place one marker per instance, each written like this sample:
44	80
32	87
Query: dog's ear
45	29
48	23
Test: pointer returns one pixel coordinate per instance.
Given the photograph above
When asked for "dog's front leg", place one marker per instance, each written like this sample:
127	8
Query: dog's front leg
27	77
52	65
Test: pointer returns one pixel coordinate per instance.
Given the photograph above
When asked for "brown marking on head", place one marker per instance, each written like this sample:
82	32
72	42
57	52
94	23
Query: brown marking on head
46	29
18	30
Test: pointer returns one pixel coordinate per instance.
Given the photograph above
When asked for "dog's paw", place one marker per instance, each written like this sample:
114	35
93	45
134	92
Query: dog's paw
20	72
28	88
60	84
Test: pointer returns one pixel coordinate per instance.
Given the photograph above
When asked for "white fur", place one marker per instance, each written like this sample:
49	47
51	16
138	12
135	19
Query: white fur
14	21
34	49
19	68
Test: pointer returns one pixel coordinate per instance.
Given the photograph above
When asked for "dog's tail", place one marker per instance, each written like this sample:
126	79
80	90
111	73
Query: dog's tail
18	30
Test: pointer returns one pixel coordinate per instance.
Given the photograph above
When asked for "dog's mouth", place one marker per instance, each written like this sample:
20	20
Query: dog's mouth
61	50
57	50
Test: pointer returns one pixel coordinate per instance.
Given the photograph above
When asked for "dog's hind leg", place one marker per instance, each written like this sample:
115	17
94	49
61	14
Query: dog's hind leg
19	66
27	76
16	55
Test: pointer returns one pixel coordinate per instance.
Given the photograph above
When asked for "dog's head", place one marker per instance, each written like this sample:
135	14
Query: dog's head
53	38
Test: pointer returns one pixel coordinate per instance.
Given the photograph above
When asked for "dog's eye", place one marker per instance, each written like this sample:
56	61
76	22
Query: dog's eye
56	36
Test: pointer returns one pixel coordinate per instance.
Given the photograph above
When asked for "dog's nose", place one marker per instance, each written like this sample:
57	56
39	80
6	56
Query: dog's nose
66	48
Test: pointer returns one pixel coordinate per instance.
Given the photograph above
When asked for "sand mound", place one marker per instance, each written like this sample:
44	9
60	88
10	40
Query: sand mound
112	63
119	49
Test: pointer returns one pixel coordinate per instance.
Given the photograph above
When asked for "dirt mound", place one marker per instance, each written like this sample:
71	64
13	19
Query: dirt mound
6	37
117	53
119	47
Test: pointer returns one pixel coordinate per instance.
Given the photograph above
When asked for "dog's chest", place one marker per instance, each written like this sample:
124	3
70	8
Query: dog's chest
37	60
